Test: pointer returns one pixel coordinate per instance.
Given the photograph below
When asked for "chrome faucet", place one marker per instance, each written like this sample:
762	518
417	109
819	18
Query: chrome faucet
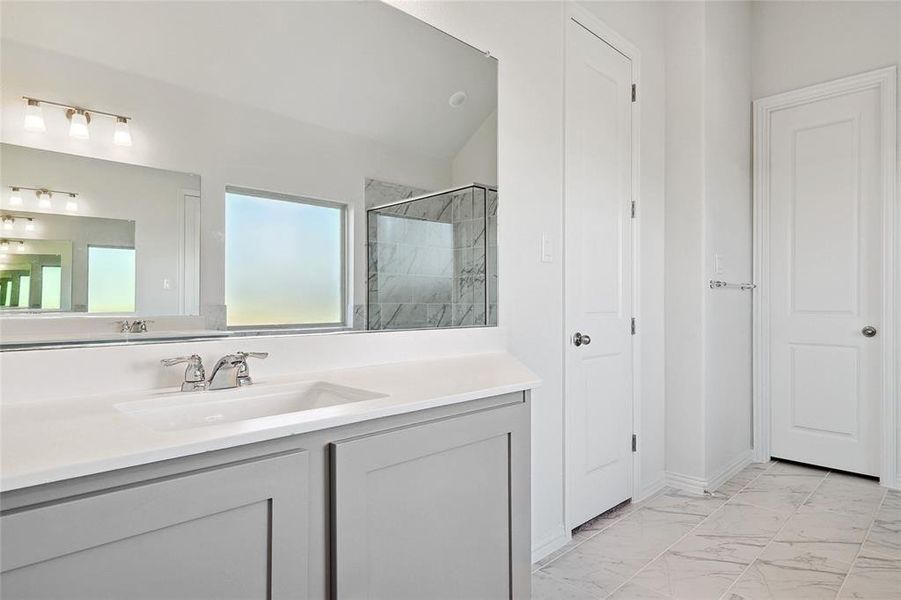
231	370
195	376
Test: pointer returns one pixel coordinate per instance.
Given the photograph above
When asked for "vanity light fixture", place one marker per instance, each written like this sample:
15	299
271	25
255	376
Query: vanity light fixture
79	120
21	246
34	116
78	123
15	197
29	224
4	246
122	134
72	202
8	223
44	197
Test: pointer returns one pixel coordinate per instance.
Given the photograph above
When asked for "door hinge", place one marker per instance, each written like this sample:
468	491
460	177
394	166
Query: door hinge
634	92
634	443
633	209
634	326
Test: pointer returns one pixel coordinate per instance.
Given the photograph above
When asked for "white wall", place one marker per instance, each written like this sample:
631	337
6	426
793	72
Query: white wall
789	42
476	162
708	213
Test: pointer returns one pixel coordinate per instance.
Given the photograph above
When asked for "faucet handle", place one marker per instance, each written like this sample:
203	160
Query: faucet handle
193	360
253	354
195	375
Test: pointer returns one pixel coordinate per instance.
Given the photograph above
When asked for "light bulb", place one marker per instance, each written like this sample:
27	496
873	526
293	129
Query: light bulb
34	117
72	202
20	247
8	223
4	246
15	198
78	126
44	199
122	135
29	225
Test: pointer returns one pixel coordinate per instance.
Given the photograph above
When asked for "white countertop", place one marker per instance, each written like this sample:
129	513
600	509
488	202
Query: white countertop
53	440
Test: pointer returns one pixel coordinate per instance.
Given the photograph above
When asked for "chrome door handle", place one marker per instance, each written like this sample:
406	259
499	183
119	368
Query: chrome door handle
580	339
868	331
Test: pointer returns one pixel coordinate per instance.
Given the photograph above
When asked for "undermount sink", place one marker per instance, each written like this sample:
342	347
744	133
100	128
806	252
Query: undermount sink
185	410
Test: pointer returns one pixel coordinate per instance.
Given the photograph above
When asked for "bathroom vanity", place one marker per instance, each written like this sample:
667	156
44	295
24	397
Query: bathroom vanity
418	491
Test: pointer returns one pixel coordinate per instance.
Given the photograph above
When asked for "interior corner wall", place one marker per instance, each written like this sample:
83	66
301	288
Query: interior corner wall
684	276
708	214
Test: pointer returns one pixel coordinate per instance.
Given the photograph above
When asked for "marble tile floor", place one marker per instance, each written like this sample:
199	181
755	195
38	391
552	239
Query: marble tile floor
774	531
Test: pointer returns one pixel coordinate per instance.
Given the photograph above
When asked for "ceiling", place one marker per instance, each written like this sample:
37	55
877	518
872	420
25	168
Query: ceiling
363	68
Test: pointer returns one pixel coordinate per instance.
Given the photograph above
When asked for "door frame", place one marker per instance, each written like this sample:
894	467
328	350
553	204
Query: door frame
606	34
884	80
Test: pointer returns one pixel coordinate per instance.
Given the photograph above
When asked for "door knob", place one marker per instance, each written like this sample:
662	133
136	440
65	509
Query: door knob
868	331
580	339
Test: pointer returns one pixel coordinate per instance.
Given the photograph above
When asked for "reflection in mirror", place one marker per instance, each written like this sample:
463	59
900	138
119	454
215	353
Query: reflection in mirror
301	172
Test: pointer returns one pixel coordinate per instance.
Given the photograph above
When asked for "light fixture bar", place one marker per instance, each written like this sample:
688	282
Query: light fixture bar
44	190
76	108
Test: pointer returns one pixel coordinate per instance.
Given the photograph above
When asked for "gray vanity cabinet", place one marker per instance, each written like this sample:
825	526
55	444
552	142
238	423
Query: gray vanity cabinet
237	531
432	511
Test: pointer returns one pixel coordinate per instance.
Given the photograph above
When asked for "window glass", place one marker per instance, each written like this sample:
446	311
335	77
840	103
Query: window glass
284	261
111	279
51	287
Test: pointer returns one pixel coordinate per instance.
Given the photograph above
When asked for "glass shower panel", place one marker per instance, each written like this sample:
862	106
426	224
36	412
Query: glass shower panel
428	261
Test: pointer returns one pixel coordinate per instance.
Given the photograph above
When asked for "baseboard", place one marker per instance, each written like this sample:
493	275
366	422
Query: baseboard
688	483
730	470
551	545
698	485
651	488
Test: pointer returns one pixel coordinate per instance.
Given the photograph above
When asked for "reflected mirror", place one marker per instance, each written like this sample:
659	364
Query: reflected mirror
273	167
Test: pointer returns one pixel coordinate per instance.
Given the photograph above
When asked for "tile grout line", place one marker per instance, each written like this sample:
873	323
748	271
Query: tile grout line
688	533
784	525
862	543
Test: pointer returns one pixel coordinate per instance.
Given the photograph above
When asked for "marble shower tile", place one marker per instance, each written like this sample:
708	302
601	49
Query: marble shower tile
439	315
873	578
767	581
395	289
432	290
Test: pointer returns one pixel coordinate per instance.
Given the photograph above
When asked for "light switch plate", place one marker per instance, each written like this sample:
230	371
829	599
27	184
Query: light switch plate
719	264
547	248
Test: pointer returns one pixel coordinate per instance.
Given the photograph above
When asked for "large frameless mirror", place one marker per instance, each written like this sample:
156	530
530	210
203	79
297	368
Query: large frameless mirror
270	168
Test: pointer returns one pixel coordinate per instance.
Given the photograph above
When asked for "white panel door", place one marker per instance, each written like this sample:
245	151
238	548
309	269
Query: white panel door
598	263
825	249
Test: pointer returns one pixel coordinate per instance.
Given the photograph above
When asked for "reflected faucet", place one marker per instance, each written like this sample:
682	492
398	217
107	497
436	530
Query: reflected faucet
231	370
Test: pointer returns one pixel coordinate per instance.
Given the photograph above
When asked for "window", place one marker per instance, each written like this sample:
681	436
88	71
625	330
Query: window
284	261
111	279
24	291
51	287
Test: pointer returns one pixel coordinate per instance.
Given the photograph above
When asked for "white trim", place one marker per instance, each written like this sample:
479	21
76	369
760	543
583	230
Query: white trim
551	545
698	485
886	81
619	43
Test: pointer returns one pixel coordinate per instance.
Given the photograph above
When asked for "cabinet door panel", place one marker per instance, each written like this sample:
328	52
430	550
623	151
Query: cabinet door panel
426	511
237	531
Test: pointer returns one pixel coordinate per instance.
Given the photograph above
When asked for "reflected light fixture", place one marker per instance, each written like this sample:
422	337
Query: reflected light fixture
8	223
20	247
4	246
78	124
29	225
15	197
122	134
72	202
44	197
34	116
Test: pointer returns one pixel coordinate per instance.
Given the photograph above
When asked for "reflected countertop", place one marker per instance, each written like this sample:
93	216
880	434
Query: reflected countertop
52	440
